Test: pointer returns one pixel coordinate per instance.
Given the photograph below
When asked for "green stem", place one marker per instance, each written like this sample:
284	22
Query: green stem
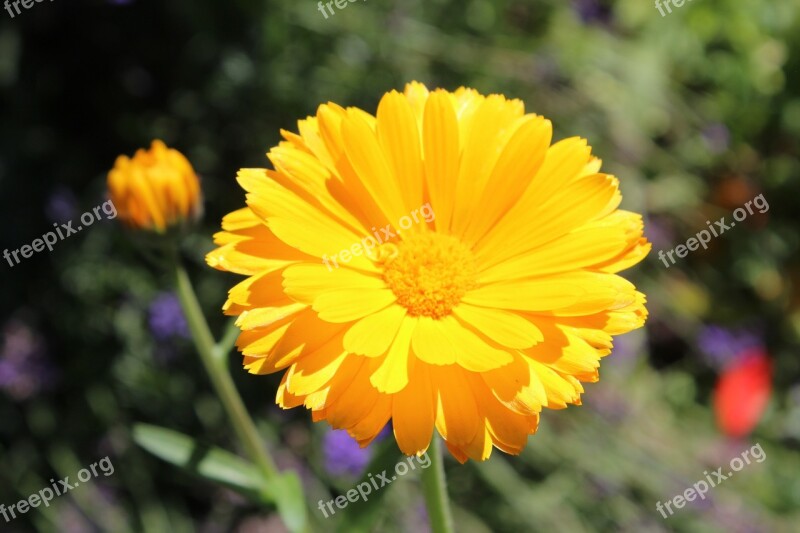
228	340
221	379
434	487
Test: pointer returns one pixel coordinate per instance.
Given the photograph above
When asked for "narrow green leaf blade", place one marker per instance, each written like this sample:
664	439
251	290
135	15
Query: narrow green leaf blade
200	459
288	494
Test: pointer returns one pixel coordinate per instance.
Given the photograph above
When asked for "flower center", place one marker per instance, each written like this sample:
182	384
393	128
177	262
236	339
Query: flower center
428	272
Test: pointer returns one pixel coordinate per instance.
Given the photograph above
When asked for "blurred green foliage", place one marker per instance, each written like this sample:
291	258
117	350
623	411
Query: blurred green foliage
696	113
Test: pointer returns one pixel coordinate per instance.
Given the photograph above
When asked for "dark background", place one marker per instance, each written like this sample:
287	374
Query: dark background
696	113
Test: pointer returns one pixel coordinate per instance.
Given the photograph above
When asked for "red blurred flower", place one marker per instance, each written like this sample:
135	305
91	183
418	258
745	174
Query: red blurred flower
742	393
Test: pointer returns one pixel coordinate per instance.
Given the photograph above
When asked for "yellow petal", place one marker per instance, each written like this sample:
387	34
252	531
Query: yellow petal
480	152
567	294
431	344
569	208
565	352
365	155
306	335
518	163
312	373
303	174
310	133
559	391
286	399
480	447
398	136
306	282
326	399
347	305
392	374
261	290
241	250
366	429
355	401
457	416
441	144
264	316
417	95
413	412
564	163
503	327
296	222
257	343
509	431
373	334
517	386
579	249
472	352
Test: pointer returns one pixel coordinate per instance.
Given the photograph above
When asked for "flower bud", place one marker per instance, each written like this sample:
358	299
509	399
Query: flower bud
156	189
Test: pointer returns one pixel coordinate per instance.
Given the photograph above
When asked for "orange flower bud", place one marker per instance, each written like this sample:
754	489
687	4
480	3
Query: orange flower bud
156	189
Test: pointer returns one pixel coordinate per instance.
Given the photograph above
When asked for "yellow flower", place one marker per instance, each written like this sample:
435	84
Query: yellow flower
155	189
493	293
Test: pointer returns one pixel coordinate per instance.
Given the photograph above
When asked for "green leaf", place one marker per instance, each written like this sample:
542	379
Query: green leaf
220	466
288	494
205	461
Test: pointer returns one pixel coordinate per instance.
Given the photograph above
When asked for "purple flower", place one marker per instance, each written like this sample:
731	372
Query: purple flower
609	404
166	318
721	346
659	231
717	137
420	520
343	455
385	432
24	367
61	205
627	347
592	11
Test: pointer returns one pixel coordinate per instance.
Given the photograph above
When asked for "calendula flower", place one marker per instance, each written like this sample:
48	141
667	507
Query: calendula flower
440	264
155	189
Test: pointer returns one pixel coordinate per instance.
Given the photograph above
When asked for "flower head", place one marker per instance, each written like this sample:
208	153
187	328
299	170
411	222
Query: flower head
742	393
155	189
166	318
343	455
440	264
591	11
61	205
25	369
721	346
